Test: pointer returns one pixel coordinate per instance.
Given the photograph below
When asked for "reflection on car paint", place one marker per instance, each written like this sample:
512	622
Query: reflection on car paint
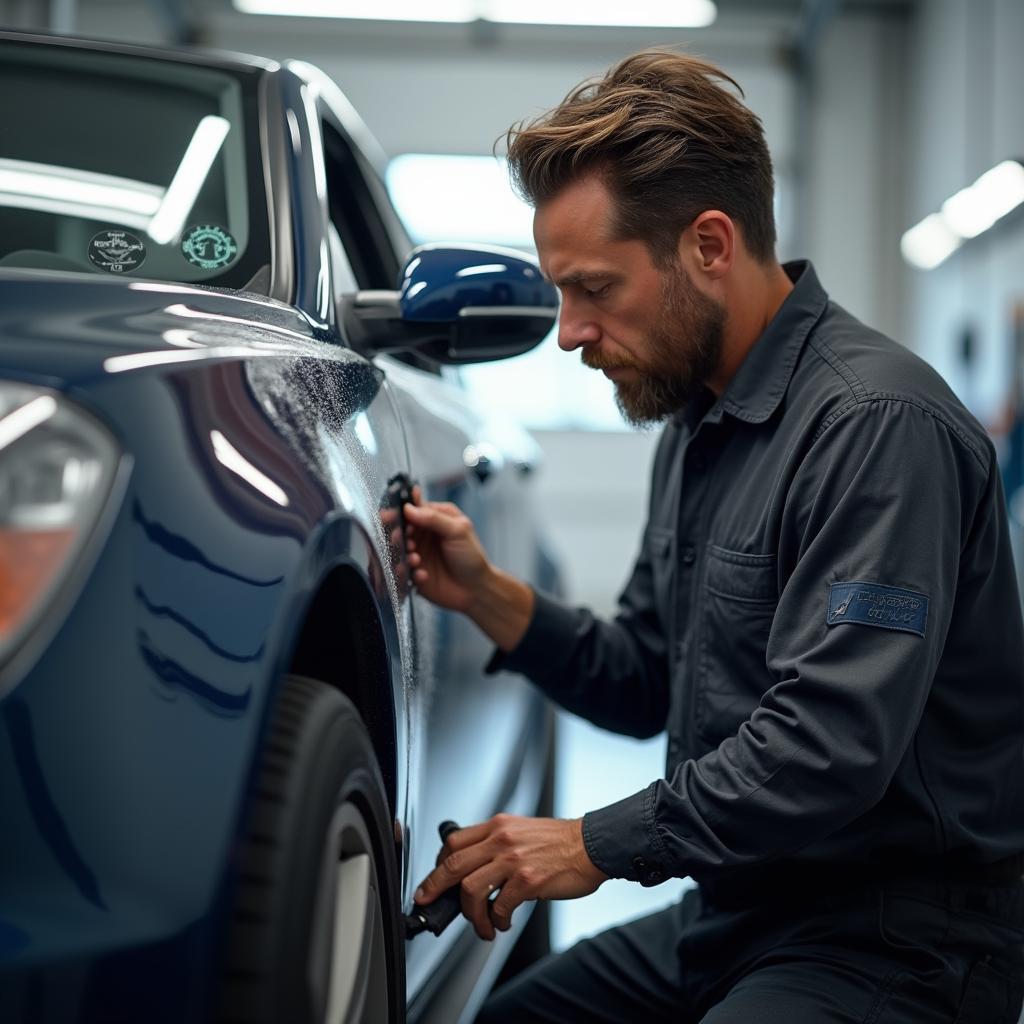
12	940
163	611
179	547
325	408
176	676
339	418
231	458
40	801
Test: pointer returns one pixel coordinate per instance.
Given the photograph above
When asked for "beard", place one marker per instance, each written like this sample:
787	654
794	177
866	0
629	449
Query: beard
684	349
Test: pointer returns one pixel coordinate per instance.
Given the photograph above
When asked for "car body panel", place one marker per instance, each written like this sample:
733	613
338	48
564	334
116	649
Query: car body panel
128	859
258	457
465	714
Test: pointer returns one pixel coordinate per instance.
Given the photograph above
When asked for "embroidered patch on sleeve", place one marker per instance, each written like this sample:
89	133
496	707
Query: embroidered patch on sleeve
872	604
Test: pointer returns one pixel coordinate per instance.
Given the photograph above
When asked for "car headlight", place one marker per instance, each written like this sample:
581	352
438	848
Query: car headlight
57	465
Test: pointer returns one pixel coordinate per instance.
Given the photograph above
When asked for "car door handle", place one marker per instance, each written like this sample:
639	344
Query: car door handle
483	460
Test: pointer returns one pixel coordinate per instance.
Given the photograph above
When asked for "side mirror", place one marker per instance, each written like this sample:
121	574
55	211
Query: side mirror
456	304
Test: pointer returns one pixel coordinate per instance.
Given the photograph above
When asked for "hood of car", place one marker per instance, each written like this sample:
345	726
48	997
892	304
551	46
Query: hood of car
67	329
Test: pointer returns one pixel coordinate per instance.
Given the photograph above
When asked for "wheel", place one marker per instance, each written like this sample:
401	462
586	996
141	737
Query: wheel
315	933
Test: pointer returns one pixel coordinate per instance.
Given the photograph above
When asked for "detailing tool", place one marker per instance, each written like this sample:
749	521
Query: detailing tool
435	917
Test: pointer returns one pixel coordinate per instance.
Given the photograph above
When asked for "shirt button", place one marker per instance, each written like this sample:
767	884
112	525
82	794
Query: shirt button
689	555
653	878
639	865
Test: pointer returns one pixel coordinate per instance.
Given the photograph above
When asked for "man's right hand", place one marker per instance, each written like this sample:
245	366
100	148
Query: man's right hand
451	569
449	564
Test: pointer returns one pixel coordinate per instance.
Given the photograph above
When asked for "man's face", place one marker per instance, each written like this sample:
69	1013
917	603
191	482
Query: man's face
651	331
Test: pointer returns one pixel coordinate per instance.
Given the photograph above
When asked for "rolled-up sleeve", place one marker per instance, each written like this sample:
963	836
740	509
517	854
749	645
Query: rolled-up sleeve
875	520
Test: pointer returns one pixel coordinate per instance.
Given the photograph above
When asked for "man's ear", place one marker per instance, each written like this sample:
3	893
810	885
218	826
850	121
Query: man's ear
708	245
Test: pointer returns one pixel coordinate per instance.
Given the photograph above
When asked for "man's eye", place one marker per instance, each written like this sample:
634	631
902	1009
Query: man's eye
596	293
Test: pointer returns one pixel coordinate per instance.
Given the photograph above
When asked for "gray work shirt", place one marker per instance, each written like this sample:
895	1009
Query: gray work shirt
823	615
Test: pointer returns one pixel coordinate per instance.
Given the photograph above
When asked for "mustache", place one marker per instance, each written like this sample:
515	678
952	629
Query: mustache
596	361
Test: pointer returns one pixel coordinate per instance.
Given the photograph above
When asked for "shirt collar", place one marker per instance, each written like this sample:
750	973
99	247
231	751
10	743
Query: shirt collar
759	384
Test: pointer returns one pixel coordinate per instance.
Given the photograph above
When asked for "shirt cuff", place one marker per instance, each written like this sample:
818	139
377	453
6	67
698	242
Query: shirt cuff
550	625
621	841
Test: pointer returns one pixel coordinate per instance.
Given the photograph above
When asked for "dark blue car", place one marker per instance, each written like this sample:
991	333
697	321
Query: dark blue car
228	728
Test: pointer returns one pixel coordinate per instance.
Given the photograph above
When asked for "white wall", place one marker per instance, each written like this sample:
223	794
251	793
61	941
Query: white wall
855	197
454	89
594	488
966	116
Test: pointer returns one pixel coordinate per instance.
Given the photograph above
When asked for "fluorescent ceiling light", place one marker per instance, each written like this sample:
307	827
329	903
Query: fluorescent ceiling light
18	423
181	338
975	209
228	455
107	214
180	309
375	10
640	13
364	432
71	192
140	360
47	181
76	193
483	268
929	243
637	13
967	214
188	179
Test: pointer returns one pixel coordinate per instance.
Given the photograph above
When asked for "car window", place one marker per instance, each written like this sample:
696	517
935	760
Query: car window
129	166
362	253
342	276
354	213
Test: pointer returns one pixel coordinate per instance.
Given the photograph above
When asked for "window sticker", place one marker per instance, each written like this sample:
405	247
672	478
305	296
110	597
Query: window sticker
209	247
116	251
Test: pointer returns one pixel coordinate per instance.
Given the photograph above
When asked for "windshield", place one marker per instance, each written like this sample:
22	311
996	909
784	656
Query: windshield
121	165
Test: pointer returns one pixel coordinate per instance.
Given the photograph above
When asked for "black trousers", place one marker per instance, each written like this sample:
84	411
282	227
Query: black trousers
926	952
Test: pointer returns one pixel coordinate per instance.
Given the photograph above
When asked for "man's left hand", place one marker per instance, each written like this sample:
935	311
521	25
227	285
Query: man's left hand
526	858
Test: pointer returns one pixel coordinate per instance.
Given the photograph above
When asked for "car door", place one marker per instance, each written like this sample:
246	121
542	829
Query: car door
465	726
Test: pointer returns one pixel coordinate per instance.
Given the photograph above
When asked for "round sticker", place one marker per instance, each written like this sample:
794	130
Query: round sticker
116	251
209	247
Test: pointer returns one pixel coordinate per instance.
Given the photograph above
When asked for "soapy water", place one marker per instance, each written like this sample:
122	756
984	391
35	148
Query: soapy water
332	408
337	414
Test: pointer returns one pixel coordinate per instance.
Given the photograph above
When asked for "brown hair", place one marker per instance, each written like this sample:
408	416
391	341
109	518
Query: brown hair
670	142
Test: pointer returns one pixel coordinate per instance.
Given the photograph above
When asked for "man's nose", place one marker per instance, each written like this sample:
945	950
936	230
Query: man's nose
574	329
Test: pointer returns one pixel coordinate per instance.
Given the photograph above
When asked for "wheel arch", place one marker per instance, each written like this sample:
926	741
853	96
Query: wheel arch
341	642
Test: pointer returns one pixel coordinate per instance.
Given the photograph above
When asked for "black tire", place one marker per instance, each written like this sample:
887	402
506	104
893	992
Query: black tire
318	827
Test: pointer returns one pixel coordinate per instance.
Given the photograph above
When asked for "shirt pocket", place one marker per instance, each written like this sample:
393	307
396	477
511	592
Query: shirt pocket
740	595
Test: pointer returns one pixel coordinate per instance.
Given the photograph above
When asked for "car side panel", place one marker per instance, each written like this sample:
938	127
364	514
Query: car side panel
478	729
127	749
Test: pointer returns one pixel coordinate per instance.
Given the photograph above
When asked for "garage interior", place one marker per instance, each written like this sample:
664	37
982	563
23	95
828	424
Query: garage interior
876	112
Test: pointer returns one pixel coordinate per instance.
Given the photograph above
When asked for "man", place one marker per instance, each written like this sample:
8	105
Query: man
823	614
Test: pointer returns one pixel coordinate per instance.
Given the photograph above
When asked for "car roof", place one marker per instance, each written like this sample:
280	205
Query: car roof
223	60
